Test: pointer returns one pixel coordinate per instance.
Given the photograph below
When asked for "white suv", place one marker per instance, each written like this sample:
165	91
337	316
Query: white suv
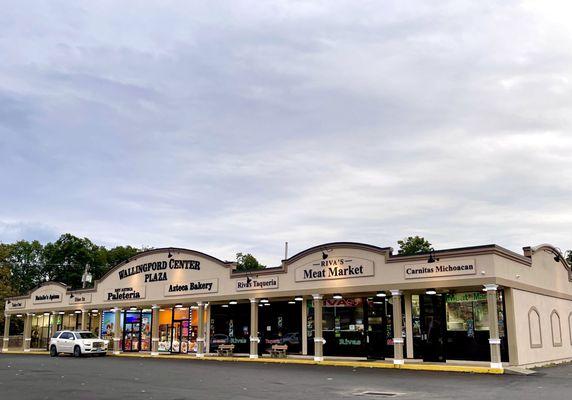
77	343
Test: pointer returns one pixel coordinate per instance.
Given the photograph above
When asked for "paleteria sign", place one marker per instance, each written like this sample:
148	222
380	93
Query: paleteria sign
335	268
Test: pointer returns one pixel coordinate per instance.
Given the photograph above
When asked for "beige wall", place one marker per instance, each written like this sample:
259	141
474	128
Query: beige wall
535	341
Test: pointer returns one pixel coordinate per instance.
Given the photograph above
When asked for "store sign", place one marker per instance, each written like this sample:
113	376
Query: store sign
81	298
335	268
16	304
47	297
351	302
466	297
126	293
157	271
263	283
202	286
439	268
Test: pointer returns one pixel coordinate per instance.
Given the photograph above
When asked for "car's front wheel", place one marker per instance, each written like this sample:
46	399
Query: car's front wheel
53	351
76	351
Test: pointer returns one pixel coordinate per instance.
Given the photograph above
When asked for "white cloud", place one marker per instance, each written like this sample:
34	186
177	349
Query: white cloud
238	126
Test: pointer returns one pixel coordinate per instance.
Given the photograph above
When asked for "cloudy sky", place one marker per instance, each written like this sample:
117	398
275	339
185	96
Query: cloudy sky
228	126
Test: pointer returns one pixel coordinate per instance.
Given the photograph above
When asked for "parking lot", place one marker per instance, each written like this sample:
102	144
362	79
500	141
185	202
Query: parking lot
42	377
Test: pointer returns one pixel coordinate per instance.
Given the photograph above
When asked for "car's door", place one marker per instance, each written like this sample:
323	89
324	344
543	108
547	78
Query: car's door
65	342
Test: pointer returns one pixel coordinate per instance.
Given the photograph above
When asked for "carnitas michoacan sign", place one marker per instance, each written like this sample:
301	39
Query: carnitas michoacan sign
335	268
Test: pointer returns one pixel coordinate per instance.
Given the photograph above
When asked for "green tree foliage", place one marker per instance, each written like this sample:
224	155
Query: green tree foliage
569	257
66	258
26	261
247	262
414	245
6	287
119	254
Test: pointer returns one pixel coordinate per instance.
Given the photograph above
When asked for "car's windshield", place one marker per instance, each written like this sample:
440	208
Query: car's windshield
86	335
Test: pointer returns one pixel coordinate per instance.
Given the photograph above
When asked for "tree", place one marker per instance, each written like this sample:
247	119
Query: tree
119	254
6	288
247	262
26	260
67	257
569	257
414	245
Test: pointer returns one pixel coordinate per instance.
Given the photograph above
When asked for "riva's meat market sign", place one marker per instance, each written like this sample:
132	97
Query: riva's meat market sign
335	268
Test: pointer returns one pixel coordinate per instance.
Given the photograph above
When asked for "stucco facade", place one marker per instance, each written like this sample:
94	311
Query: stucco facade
538	280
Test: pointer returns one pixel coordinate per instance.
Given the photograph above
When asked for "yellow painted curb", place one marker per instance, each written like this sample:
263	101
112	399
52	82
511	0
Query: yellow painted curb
332	363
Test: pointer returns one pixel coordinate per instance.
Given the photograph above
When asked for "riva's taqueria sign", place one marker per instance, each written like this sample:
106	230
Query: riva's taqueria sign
335	268
440	268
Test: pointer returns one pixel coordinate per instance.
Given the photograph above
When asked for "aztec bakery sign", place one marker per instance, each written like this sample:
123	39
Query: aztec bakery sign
438	269
202	286
335	268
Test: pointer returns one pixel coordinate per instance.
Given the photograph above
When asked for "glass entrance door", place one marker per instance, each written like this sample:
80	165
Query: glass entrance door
132	332
433	328
180	330
376	329
180	337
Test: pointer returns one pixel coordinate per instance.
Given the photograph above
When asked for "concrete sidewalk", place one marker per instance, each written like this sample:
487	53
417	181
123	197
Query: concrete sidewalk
414	366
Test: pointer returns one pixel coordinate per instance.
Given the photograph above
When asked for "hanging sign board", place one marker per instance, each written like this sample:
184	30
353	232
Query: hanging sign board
257	283
335	268
126	293
47	297
200	286
440	268
81	298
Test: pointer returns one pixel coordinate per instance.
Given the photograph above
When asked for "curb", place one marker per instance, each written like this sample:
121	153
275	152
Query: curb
331	363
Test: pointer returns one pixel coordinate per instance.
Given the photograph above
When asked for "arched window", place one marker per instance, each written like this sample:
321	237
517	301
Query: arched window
556	329
534	328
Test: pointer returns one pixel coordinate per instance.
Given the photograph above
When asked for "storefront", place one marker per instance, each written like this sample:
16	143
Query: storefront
481	304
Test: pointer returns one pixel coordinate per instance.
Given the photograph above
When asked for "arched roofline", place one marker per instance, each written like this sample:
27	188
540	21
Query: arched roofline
333	245
530	250
29	292
225	264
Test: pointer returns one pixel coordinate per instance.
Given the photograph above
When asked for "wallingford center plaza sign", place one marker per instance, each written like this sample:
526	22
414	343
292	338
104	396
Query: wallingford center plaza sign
157	271
335	268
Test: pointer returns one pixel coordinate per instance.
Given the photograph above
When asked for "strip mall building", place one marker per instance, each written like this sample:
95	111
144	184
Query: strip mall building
482	303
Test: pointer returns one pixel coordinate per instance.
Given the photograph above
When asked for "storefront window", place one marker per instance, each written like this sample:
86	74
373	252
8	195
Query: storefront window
344	327
108	327
231	325
469	312
40	331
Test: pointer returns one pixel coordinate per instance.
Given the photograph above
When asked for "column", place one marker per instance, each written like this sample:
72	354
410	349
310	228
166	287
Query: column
254	340
397	327
408	325
207	328
155	330
304	327
6	339
494	340
201	329
84	320
27	331
54	317
318	322
117	331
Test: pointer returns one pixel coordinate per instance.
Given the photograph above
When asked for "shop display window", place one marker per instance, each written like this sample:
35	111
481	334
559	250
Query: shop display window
40	335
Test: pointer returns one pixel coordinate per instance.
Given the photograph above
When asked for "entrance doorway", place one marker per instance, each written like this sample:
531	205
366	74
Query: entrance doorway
433	327
132	332
377	328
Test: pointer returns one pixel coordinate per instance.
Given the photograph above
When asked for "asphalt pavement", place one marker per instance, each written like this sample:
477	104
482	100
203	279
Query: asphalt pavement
41	377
